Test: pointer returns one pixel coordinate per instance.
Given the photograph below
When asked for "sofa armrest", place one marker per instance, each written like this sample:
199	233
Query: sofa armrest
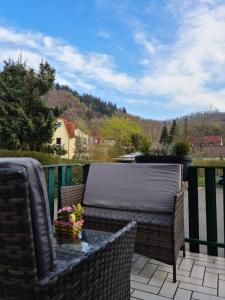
178	221
178	198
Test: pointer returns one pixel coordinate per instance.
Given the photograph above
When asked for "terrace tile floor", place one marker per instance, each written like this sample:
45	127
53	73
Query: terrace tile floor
199	277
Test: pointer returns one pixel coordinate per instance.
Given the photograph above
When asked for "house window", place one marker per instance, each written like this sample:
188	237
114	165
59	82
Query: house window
58	141
58	124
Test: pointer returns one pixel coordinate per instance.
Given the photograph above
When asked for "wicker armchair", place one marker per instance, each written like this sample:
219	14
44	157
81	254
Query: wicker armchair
160	235
31	267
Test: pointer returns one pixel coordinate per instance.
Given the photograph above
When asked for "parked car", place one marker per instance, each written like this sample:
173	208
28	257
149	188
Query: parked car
220	180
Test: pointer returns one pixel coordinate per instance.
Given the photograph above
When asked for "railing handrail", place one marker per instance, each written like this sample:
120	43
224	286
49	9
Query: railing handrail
62	165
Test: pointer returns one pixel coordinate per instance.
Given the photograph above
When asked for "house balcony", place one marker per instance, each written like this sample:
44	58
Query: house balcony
201	274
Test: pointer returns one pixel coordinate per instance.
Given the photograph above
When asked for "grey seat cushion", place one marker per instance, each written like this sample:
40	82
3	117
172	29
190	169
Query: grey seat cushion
144	218
32	174
138	187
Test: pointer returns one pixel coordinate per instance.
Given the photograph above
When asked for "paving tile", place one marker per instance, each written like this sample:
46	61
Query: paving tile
131	291
169	269
222	277
219	258
135	257
144	287
198	272
139	264
146	296
199	256
217	265
182	294
139	278
186	279
200	296
214	270
198	278
148	270
179	259
186	264
221	291
211	280
197	288
158	278
156	262
168	289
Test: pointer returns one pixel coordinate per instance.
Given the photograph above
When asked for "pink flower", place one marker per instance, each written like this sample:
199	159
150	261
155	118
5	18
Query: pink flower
67	208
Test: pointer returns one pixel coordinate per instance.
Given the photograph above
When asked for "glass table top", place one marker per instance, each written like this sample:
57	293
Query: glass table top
87	240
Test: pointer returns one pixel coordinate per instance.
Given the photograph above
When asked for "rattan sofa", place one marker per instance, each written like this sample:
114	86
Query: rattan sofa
31	267
160	233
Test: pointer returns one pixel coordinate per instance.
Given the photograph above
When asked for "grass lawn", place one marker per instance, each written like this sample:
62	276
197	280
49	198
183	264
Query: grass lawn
201	181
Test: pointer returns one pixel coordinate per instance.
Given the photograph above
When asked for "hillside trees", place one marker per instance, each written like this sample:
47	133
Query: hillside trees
93	103
26	123
127	134
164	135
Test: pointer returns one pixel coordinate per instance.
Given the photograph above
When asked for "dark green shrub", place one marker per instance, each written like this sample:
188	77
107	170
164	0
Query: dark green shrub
44	158
181	148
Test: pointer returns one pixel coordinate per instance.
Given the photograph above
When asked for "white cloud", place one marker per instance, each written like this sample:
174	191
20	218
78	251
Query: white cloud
187	72
88	69
142	39
104	34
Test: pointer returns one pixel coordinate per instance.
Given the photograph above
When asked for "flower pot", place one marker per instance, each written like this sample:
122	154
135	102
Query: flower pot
184	160
69	230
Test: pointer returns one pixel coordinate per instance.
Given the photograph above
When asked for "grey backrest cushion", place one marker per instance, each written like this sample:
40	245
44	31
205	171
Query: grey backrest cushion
38	205
138	187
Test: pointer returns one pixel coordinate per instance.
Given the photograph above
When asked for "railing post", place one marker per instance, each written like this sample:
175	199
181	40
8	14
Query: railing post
211	214
85	172
69	175
61	182
51	189
224	205
193	207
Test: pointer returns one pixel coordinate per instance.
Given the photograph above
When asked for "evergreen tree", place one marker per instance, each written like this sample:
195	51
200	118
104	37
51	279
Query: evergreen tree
26	123
164	135
186	130
174	132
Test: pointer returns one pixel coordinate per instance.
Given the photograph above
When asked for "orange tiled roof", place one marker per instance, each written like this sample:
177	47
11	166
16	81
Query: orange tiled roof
207	139
70	127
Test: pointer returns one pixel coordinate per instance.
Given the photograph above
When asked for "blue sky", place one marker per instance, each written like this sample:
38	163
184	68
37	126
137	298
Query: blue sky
158	58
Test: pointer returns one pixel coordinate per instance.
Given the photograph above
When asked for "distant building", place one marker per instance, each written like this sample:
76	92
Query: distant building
213	152
94	138
210	140
64	136
83	137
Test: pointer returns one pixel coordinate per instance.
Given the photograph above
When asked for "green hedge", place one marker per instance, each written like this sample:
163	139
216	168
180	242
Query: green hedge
209	163
44	158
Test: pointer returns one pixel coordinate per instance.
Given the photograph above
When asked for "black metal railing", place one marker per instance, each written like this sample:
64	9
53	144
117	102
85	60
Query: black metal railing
209	174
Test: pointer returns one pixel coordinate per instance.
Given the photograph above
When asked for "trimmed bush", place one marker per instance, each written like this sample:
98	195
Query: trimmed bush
181	148
43	158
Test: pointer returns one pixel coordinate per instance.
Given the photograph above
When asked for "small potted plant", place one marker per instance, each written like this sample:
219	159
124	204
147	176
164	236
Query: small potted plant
69	222
179	154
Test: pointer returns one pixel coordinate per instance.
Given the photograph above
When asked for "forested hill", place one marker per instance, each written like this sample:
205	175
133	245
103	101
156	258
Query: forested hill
83	106
93	110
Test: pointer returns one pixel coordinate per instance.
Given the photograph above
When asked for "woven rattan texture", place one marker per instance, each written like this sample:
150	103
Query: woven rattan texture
159	236
102	274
